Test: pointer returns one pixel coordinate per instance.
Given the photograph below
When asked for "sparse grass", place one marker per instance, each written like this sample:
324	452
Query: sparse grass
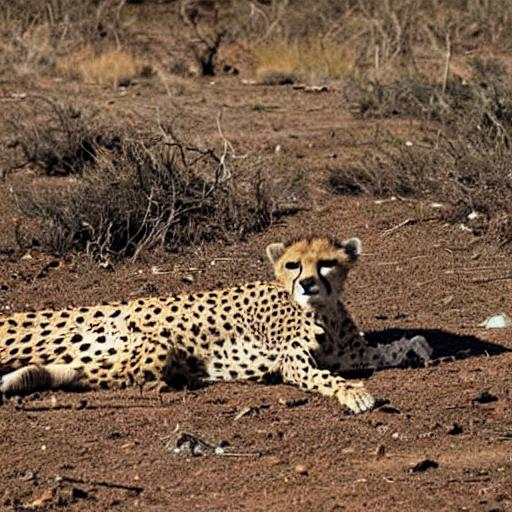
312	60
407	97
466	178
108	67
34	35
467	165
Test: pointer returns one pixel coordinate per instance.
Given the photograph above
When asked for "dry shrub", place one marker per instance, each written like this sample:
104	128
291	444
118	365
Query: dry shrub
467	178
34	33
411	97
146	190
208	24
381	38
108	67
484	99
468	165
56	137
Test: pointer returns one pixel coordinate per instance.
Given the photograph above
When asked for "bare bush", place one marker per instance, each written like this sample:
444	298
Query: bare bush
54	136
479	108
407	97
210	23
146	190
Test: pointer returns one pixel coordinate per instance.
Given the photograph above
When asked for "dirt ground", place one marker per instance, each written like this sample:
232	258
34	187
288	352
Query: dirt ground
294	451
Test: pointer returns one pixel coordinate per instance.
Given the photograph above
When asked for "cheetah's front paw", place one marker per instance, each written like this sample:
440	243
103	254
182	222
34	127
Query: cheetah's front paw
356	398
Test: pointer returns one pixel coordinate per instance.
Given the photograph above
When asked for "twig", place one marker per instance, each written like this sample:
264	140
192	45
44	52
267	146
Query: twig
100	483
377	63
225	172
490	279
407	222
447	63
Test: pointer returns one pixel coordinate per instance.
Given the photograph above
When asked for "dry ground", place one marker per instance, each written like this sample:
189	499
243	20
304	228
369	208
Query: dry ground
98	451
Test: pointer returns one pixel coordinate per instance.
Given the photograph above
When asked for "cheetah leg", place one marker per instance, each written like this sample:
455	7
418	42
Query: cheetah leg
39	378
298	367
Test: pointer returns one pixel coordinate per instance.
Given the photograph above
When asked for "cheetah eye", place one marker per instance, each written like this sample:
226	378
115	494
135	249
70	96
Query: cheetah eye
327	263
292	265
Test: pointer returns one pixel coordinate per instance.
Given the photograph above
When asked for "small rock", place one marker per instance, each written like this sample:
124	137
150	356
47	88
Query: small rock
188	278
273	461
43	500
455	430
380	452
486	398
82	404
28	476
301	469
79	494
424	465
496	322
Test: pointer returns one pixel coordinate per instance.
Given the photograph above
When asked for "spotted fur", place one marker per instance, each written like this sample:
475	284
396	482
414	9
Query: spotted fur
296	327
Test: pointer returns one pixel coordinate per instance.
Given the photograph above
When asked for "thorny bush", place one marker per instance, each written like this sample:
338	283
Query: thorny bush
141	191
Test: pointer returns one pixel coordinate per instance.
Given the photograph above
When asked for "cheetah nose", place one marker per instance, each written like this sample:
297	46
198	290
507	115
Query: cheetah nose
310	286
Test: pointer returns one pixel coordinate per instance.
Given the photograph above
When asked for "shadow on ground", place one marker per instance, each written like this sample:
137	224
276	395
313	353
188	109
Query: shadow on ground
444	344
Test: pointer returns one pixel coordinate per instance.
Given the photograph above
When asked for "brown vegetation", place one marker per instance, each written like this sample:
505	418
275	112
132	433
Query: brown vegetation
381	46
132	191
465	163
34	35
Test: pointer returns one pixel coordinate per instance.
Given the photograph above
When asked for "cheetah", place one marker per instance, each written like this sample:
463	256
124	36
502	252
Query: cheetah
295	327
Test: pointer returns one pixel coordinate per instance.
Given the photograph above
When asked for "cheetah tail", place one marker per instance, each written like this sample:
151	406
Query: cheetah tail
38	378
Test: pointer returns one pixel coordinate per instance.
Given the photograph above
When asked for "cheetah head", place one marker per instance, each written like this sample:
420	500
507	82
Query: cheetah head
314	271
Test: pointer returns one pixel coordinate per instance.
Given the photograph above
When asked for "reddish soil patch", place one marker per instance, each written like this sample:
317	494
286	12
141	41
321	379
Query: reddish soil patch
107	450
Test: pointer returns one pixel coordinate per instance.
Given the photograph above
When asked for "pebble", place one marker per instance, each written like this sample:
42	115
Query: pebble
380	451
455	430
27	476
424	465
301	469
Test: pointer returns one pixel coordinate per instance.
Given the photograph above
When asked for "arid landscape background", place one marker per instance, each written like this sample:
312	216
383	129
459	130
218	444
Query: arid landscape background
150	147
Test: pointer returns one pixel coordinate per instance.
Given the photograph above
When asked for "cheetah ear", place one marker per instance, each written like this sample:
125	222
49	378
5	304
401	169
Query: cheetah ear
274	252
352	248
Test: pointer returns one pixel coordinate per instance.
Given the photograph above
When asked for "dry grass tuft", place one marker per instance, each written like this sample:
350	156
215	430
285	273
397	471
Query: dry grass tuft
111	67
313	60
35	35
